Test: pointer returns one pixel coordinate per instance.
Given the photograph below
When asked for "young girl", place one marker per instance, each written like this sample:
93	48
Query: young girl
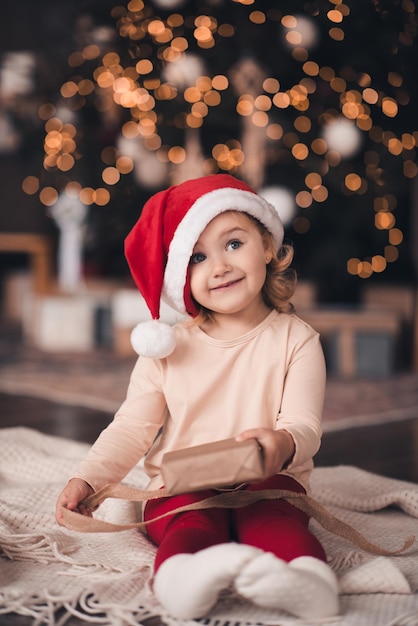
244	367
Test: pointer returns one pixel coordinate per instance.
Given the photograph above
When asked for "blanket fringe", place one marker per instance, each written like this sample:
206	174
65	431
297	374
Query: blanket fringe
52	610
40	547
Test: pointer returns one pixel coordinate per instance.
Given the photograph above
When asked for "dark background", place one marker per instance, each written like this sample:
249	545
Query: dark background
379	38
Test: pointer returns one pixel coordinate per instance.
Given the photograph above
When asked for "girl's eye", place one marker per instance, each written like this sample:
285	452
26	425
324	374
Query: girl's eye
234	244
198	257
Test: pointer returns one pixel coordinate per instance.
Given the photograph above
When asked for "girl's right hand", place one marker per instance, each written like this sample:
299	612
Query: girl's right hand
70	498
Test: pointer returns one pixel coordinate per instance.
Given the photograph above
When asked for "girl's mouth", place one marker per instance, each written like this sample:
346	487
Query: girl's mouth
230	283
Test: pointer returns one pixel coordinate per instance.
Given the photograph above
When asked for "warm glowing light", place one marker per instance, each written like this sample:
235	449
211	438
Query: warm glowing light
204	83
384	220
353	266
274	132
48	196
379	263
105	79
304	199
245	105
395	146
30	185
110	175
410	169
263	103
192	94
226	30
260	119
65	162
212	98
319	146
144	66
395	79
320	193
337	34
389	107
303	124
395	236
91	52
46	111
111	59
200	109
85	87
135	5
335	16
300	151
156	27
69	89
220	82
271	85
391	254
352	182
87	195
370	95
177	154
313	180
101	196
281	100
257	17
311	68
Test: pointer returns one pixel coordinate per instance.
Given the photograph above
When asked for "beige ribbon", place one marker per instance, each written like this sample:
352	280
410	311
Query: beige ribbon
225	500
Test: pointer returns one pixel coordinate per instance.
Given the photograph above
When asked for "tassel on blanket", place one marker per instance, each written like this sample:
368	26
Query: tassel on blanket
229	500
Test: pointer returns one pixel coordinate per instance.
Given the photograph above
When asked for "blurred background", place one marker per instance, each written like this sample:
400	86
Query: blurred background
312	103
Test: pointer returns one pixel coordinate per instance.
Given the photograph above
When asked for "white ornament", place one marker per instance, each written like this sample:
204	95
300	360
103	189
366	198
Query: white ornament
185	71
342	136
168	4
69	214
149	171
283	201
307	33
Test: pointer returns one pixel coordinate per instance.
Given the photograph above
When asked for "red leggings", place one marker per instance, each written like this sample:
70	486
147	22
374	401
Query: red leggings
271	525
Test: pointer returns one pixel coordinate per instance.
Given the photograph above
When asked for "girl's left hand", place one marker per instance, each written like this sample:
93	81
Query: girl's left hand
278	447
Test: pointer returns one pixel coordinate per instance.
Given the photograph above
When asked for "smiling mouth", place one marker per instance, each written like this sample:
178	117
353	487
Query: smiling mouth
231	283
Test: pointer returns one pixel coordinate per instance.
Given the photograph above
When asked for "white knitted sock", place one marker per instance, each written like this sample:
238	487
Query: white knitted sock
305	587
188	585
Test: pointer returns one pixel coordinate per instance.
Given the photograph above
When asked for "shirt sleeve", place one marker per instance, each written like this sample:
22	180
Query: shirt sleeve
131	433
303	399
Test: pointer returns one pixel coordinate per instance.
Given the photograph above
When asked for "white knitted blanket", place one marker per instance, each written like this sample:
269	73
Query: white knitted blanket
51	574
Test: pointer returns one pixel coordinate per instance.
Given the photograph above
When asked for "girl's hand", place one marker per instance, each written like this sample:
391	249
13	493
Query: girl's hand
71	496
278	447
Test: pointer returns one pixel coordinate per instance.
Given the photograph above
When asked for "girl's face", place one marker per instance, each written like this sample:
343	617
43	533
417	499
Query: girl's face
228	266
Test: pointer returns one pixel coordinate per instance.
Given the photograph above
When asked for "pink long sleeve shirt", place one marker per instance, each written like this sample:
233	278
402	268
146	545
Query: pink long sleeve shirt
209	389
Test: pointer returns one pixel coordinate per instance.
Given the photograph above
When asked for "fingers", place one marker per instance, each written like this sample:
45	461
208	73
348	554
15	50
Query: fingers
71	497
250	433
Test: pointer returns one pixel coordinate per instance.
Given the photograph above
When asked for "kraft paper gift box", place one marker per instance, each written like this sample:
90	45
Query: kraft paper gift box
222	463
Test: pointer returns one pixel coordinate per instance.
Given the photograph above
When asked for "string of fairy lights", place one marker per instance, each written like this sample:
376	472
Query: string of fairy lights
160	71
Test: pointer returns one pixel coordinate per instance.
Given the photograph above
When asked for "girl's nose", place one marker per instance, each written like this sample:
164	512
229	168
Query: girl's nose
220	266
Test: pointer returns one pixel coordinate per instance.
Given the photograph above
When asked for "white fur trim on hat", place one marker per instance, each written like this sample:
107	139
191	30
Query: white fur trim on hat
205	209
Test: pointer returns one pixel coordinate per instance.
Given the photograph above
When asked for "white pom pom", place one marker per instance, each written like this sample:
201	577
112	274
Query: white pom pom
153	339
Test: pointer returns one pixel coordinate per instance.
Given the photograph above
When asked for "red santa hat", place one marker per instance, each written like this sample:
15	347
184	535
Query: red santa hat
159	247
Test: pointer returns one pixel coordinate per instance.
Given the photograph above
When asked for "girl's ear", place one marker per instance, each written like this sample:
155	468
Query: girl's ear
269	256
